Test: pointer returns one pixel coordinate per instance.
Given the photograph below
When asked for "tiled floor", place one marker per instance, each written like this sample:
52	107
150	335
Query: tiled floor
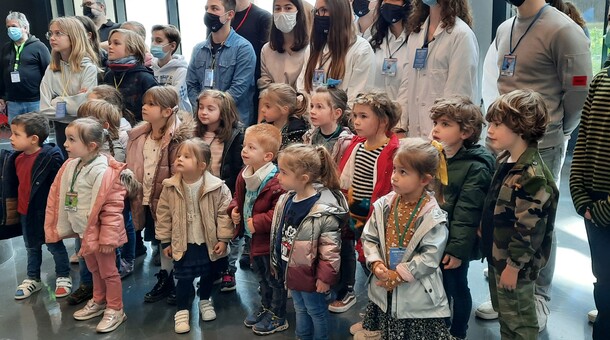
43	317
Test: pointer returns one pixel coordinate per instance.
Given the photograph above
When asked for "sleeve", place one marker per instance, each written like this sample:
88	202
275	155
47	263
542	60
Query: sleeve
180	78
371	243
491	72
193	84
47	94
265	78
243	78
163	224
462	78
224	225
329	249
111	215
362	72
428	255
88	80
44	59
262	221
301	78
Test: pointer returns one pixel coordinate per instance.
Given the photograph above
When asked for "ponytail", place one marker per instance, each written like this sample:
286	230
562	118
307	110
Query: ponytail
301	106
329	175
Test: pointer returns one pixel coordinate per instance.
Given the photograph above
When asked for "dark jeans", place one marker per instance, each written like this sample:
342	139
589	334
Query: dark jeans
311	315
455	282
347	272
128	250
273	293
85	274
599	241
58	250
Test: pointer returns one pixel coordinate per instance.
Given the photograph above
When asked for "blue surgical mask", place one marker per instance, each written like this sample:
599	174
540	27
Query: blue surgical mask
157	51
15	33
430	3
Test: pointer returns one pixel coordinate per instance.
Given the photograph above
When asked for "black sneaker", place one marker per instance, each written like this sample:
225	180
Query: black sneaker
82	294
228	282
163	287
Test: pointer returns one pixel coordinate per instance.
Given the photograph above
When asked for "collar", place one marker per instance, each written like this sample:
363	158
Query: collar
524	160
254	180
228	43
108	23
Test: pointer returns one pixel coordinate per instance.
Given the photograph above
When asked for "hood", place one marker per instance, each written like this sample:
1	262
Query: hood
184	130
477	153
32	39
331	202
176	62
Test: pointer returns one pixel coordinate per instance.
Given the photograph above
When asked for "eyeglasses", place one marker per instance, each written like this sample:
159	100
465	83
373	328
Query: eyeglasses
56	34
89	4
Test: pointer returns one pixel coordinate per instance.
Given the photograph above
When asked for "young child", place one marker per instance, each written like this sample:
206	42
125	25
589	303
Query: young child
86	198
519	212
110	117
194	227
257	191
329	116
403	244
151	152
114	97
126	70
306	236
31	170
365	168
280	106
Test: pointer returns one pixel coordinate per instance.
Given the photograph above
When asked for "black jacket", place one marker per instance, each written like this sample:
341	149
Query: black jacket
133	84
232	163
34	60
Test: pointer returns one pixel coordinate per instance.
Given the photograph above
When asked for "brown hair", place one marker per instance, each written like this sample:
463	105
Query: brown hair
314	161
267	135
103	112
135	27
522	111
89	131
171	32
383	107
199	148
79	44
450	9
114	97
337	100
134	44
229	119
34	124
285	95
301	36
573	12
90	28
421	156
463	111
166	97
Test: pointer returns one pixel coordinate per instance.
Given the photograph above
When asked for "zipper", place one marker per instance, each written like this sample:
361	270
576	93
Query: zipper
309	216
38	173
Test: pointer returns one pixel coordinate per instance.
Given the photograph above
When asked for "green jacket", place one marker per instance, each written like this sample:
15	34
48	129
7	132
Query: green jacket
522	215
470	171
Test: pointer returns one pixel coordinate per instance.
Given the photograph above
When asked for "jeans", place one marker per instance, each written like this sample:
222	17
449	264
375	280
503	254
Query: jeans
599	239
58	250
85	274
13	109
347	273
237	245
273	293
455	282
311	315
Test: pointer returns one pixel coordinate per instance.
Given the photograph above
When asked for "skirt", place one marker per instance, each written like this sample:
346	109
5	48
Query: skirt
194	263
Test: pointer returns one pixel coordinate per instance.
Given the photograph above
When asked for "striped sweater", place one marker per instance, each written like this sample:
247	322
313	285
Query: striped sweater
590	173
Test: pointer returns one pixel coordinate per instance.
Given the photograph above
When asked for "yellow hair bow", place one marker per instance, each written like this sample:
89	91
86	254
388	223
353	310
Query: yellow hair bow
441	173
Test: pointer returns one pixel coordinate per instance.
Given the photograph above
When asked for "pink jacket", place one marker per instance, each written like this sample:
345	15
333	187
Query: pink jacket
105	225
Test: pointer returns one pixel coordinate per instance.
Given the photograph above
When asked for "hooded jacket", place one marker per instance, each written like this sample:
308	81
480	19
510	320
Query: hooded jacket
33	62
339	144
174	74
132	84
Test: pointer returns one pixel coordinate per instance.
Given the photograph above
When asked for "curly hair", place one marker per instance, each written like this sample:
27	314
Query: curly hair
384	108
381	27
463	111
450	9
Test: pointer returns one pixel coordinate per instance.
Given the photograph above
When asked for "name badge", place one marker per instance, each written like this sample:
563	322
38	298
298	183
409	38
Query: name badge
508	65
396	255
208	80
389	67
71	202
15	78
421	54
319	77
60	109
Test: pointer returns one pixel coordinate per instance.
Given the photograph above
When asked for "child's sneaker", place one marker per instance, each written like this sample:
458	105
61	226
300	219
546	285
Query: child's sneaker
91	310
63	287
256	317
111	320
182	322
206	309
82	294
343	305
270	324
228	282
26	288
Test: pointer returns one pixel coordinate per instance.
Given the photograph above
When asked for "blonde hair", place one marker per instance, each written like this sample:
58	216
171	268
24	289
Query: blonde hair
199	148
314	161
522	111
267	135
382	106
284	95
89	131
422	157
464	112
164	96
229	118
134	44
79	44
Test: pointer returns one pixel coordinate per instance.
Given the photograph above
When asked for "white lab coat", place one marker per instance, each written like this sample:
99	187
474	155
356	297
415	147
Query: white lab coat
397	46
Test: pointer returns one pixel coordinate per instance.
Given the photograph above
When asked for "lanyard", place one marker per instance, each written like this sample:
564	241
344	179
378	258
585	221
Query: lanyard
426	42
387	44
244	19
116	86
64	82
77	172
511	49
401	236
18	56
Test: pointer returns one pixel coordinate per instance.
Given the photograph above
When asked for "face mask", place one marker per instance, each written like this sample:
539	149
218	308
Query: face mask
15	33
88	12
392	13
430	3
157	51
516	3
285	22
212	21
361	7
321	25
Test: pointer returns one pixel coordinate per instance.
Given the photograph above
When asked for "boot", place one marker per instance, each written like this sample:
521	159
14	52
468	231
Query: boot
163	287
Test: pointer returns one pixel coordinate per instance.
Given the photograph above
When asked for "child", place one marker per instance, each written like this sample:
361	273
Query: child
329	116
365	168
169	68
457	125
280	106
403	244
114	97
519	212
32	169
194	227
151	152
86	198
110	117
306	237
126	70
257	192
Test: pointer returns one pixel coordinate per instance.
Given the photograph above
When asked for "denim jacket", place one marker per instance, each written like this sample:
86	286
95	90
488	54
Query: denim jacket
233	72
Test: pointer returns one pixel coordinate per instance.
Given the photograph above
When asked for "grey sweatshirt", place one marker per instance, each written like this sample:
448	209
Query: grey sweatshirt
174	74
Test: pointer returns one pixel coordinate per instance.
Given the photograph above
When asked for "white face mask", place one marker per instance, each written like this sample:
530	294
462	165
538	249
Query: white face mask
285	22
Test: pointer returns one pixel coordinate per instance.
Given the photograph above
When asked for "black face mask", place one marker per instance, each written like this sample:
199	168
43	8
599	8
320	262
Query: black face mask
361	7
88	12
212	21
516	3
392	13
321	24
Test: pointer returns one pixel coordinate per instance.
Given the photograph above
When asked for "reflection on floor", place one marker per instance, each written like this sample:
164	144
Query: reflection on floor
41	316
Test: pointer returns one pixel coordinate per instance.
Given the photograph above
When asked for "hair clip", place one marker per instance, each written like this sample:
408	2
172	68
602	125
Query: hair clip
106	133
333	83
441	173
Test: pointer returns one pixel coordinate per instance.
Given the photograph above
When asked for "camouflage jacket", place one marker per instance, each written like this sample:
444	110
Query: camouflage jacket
521	211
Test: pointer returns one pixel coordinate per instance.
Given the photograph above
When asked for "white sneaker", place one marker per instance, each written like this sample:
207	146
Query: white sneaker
542	312
206	309
111	320
181	322
486	273
26	288
592	315
90	311
486	311
63	287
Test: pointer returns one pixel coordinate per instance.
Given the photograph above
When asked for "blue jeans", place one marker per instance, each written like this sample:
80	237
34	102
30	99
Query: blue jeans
13	109
599	239
455	282
85	274
311	315
58	250
272	291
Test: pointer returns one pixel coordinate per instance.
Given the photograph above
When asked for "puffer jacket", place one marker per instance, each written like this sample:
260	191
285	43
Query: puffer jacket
317	242
423	295
175	134
105	225
232	164
171	226
339	144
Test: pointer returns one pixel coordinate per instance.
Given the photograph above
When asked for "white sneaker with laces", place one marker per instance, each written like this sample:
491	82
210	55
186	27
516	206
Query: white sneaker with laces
90	311
26	288
111	320
63	287
592	315
486	311
206	309
181	322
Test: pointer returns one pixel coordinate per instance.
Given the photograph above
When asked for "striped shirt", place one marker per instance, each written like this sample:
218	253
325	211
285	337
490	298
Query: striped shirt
364	170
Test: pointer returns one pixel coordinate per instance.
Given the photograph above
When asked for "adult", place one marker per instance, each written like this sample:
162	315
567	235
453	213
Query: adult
24	61
96	11
366	14
442	60
551	56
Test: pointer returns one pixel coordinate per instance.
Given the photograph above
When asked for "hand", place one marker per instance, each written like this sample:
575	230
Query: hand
508	279
106	249
83	90
251	226
381	271
235	216
322	287
168	252
588	214
273	271
451	262
480	231
220	248
2	104
392	282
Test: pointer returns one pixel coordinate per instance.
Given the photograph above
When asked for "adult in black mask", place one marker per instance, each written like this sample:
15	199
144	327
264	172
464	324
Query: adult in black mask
366	13
96	11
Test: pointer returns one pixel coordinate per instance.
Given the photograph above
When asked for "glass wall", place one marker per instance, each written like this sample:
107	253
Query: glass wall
594	12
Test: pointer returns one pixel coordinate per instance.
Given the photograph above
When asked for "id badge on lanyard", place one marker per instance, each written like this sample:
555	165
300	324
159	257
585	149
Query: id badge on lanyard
71	202
396	255
15	78
60	109
389	67
508	65
208	79
319	77
421	54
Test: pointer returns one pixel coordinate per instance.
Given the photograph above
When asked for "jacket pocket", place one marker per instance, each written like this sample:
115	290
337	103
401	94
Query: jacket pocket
438	78
432	289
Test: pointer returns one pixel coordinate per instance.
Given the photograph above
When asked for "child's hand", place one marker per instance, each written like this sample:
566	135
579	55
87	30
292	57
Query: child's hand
392	282
451	262
381	271
508	279
106	249
322	287
251	226
83	90
168	252
235	216
220	248
273	271
588	214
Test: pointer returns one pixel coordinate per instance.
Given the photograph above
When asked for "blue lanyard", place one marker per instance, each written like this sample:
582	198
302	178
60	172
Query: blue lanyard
511	49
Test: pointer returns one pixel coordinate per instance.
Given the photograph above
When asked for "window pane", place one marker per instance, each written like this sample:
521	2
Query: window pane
593	12
148	13
192	29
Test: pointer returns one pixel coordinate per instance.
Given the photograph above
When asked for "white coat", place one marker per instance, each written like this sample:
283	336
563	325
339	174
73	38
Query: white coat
396	47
